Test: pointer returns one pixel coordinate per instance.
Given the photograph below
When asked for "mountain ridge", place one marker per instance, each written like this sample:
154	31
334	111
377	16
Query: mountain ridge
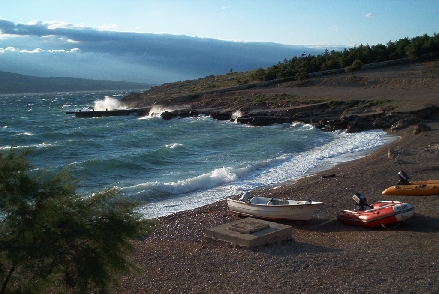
13	83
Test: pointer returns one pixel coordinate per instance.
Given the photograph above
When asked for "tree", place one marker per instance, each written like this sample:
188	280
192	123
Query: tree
259	74
356	65
50	236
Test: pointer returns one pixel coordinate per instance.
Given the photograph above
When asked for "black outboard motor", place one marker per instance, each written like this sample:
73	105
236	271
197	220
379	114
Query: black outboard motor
361	201
403	178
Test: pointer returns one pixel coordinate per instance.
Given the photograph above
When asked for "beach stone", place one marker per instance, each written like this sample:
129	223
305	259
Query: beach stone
250	232
421	127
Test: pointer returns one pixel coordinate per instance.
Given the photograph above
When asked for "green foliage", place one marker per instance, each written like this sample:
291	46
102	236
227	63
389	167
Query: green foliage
299	67
378	102
52	237
356	65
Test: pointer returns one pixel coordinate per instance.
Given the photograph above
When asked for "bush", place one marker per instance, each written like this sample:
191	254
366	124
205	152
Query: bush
50	236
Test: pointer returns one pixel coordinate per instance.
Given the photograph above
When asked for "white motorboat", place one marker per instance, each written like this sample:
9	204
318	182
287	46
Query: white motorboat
273	208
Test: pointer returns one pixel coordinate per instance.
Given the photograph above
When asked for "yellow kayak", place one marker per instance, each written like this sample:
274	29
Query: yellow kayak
414	189
435	182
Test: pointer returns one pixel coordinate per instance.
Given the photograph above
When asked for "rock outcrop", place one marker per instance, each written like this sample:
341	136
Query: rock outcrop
318	116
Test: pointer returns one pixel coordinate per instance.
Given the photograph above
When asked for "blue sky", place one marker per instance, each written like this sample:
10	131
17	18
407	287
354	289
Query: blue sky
88	33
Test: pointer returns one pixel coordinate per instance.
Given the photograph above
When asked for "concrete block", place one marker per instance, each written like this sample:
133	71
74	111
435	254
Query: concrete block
250	232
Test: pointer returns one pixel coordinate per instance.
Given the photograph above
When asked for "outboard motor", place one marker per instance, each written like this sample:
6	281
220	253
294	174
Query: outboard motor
361	201
403	178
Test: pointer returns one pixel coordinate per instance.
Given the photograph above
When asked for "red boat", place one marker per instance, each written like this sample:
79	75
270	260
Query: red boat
381	213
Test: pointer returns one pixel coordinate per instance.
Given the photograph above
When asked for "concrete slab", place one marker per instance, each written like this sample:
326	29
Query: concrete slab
250	232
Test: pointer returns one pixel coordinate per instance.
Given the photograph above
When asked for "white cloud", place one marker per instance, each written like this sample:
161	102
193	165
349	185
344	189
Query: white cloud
8	49
370	14
73	50
108	27
52	25
36	50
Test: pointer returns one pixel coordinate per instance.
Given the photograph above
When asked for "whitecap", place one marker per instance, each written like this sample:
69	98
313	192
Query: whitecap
173	145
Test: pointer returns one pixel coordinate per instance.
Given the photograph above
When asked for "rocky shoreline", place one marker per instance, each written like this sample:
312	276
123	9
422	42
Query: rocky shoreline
391	97
318	116
323	255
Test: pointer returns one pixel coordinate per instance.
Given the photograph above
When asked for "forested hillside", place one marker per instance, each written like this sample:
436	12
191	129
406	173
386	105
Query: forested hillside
299	67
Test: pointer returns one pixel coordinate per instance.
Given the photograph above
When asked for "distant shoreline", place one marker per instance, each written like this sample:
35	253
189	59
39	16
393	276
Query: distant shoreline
22	84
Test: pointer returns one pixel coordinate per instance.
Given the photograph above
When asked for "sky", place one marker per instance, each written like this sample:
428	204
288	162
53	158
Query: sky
81	35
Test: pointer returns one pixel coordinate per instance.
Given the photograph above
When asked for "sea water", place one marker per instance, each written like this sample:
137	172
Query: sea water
170	165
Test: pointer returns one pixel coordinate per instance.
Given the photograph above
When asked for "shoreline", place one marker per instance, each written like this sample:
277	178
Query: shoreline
323	256
328	162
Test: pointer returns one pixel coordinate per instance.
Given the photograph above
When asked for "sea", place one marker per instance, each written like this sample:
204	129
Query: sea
169	165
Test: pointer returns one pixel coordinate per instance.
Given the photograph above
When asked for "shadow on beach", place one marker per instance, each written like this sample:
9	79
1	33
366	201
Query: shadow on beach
417	223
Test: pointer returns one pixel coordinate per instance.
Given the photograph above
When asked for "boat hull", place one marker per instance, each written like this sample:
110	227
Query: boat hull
413	190
424	182
383	213
289	210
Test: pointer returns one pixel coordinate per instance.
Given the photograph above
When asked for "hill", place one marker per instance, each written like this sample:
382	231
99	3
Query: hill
11	83
308	72
399	87
372	98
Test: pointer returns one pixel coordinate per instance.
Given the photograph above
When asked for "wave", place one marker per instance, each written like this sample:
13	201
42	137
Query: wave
345	147
32	146
152	190
173	145
226	181
274	171
108	103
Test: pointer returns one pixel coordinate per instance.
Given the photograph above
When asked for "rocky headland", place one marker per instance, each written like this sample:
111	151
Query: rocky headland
393	97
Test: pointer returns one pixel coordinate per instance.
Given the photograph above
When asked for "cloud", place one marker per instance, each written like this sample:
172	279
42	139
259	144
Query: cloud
370	14
61	49
3	50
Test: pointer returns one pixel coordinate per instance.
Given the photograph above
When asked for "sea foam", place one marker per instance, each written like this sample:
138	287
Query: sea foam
225	182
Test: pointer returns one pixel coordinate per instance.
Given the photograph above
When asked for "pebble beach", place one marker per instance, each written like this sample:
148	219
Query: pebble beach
323	255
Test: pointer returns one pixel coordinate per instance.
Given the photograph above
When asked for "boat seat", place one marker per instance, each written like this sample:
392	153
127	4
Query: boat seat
259	201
